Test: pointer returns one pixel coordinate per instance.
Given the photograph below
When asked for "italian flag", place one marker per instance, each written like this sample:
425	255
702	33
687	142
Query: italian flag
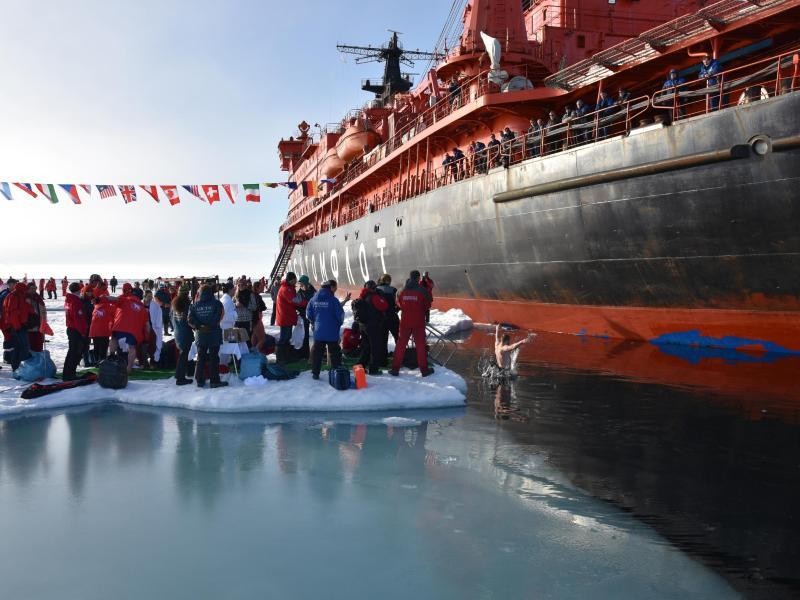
252	192
48	191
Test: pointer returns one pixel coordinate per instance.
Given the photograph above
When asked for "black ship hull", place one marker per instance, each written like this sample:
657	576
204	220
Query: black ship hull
685	234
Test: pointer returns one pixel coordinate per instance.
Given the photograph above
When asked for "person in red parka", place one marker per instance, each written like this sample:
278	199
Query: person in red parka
77	330
103	315
16	311
414	301
286	304
64	285
131	324
50	288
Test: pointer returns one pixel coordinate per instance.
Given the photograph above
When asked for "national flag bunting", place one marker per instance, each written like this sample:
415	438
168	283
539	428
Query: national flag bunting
128	193
192	189
72	191
289	184
26	187
252	192
309	188
211	192
171	191
152	190
86	188
330	181
232	190
271	184
48	191
106	191
5	189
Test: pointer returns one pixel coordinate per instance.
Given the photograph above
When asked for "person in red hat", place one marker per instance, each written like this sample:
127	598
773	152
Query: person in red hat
131	324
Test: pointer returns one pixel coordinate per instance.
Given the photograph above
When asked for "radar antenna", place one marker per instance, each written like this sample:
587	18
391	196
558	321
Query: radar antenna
392	54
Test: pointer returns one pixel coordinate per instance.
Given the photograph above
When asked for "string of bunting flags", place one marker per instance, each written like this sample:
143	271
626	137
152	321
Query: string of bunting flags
171	193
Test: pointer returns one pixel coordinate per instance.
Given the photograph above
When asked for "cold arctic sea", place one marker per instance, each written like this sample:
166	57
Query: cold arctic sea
607	470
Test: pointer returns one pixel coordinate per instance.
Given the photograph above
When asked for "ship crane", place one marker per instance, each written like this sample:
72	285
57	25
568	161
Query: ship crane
392	54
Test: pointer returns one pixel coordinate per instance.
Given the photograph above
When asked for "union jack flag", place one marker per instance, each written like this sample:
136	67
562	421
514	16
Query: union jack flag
106	191
128	193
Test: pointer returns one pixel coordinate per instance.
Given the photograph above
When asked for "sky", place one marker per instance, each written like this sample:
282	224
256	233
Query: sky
159	92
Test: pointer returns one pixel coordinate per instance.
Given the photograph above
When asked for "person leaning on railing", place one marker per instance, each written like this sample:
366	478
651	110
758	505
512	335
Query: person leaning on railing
533	140
709	69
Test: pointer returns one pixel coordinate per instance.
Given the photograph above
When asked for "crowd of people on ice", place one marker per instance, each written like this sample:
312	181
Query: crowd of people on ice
201	313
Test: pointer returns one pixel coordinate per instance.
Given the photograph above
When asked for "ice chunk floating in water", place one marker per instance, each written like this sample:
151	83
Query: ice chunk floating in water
409	391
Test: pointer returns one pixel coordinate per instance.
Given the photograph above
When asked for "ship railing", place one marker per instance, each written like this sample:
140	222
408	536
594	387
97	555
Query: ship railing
737	86
579	130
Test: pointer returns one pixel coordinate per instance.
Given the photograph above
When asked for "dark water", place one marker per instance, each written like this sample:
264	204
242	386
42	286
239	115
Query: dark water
570	483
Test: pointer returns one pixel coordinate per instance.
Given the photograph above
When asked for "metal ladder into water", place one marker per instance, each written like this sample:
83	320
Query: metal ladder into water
442	347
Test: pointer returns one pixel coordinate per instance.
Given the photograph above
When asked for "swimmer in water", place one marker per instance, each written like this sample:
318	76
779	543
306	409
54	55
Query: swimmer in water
503	348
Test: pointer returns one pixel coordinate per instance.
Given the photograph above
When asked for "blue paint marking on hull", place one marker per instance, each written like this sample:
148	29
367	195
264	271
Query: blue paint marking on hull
694	347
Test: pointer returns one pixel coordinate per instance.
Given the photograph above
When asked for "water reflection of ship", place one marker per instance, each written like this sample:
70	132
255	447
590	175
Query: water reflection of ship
760	384
714	482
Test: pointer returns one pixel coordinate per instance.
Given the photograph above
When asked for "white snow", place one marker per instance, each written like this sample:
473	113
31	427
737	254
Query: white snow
410	390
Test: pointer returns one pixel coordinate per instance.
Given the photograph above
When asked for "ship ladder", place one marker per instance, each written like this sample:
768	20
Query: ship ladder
279	268
442	347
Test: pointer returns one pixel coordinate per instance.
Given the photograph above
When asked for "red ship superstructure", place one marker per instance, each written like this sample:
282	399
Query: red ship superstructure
638	215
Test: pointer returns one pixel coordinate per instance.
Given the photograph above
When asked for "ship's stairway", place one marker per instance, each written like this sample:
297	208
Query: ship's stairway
279	268
442	348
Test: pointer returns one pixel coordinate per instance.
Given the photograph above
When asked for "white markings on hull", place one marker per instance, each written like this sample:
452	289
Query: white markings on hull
362	261
322	275
322	270
334	264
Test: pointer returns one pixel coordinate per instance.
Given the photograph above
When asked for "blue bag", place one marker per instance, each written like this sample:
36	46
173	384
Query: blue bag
39	366
339	378
251	364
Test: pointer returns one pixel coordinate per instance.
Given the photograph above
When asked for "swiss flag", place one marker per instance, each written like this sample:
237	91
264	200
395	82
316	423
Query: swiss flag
211	192
172	194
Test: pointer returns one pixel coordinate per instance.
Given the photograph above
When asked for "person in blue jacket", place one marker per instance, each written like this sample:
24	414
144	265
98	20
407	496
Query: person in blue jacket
709	69
204	317
326	316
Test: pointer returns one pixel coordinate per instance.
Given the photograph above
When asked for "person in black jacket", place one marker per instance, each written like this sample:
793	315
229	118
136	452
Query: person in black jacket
368	311
183	333
391	320
204	317
306	291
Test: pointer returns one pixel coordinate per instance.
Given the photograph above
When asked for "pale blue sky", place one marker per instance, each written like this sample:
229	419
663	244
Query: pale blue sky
171	92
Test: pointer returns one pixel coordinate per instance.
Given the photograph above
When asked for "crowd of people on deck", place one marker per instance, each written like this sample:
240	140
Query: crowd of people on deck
200	314
545	136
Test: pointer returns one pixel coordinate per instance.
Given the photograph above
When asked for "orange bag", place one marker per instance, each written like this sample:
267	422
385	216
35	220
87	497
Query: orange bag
361	376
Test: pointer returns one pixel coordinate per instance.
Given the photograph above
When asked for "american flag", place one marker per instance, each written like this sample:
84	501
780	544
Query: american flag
106	191
193	189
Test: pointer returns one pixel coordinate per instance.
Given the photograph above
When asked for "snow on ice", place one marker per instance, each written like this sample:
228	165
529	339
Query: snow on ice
408	391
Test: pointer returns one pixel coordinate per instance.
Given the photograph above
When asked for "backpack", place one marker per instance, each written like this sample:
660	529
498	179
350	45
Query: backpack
112	373
339	378
169	356
275	372
362	310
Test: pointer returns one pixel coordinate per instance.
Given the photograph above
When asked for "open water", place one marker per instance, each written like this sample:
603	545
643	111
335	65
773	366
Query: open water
585	478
